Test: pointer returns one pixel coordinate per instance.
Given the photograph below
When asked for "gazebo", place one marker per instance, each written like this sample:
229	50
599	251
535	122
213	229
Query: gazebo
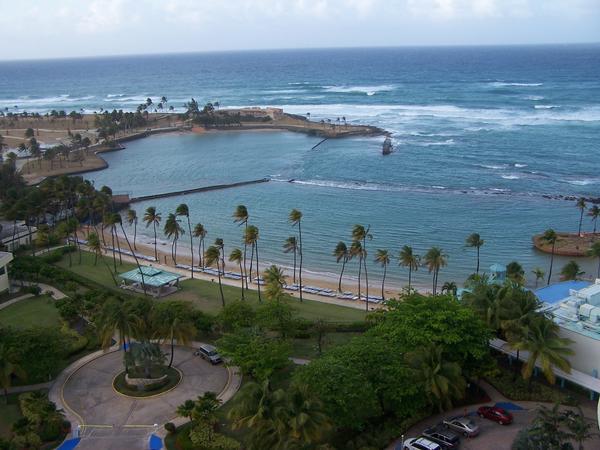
158	282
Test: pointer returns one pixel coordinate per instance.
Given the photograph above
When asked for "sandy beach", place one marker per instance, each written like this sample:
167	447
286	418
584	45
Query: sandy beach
145	246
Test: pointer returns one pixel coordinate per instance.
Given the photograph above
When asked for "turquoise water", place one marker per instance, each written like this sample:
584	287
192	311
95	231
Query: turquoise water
481	136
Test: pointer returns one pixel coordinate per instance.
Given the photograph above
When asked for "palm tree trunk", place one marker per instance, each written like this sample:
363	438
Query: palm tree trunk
301	252
220	285
78	244
366	273
191	245
383	282
135	258
172	349
359	274
175	250
341	275
155	250
294	265
118	246
477	260
245	274
134	233
409	276
251	261
580	221
551	264
257	271
112	234
242	275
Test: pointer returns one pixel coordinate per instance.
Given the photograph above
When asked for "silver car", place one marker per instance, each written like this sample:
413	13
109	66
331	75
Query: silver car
462	425
209	353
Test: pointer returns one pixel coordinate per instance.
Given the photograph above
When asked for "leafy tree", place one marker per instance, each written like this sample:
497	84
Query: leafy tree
236	315
276	316
515	273
255	354
571	271
9	368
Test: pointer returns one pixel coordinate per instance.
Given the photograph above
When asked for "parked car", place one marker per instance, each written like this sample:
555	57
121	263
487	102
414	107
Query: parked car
446	438
500	415
420	443
462	425
209	353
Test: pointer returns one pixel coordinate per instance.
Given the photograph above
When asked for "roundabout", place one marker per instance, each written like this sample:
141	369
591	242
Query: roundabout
110	419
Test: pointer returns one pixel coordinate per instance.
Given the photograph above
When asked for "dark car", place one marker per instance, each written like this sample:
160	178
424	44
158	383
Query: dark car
500	415
446	438
209	353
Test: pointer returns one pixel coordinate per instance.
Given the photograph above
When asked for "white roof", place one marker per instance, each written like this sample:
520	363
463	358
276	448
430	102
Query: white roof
5	258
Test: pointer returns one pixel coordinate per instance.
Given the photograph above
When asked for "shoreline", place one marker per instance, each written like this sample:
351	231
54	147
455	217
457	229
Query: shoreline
145	247
568	244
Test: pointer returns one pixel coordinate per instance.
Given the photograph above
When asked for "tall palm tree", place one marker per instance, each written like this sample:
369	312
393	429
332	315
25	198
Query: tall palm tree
539	275
212	256
443	380
186	408
550	237
435	259
251	236
475	241
307	422
172	229
236	256
119	220
95	246
151	217
341	253
9	368
407	258
291	246
356	251
295	218
219	242
241	216
581	205
361	234
183	210
515	273
571	271
200	232
594	252
132	219
543	343
274	282
449	287
383	258
116	318
177	328
594	213
110	224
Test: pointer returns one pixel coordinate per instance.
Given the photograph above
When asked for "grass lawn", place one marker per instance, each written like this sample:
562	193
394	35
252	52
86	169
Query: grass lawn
31	312
205	294
9	414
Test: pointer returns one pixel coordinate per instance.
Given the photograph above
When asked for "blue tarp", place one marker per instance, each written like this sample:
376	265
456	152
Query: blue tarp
155	443
69	444
559	291
508	406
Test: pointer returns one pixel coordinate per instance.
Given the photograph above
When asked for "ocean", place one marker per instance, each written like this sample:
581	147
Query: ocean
482	136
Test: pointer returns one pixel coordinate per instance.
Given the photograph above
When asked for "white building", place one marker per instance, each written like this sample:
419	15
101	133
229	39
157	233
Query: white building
575	307
12	235
5	258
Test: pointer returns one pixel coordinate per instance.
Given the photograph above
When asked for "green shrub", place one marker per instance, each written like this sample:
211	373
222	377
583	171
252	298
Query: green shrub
520	389
170	427
352	327
34	289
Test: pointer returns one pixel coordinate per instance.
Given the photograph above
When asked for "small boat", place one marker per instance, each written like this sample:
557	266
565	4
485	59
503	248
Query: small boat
387	146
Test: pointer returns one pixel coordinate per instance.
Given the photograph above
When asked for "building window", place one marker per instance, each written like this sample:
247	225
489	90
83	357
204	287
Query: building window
2	270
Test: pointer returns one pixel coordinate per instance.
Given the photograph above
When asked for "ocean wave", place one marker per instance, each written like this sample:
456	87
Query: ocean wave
285	91
506	84
535	98
369	90
581	182
511	176
432	144
28	101
545	106
493	166
517	165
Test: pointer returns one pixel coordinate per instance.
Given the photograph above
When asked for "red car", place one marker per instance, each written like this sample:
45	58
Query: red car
500	415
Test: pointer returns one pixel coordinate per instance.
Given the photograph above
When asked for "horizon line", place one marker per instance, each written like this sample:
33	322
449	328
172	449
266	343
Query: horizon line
266	50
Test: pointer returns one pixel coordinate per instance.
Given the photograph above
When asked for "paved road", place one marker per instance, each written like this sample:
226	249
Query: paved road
113	421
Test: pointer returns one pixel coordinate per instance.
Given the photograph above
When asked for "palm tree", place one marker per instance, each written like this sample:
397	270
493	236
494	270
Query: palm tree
183	210
307	421
295	218
291	246
361	234
173	230
435	259
186	409
133	220
200	232
251	236
219	242
177	328
241	216
109	223
212	256
543	343
549	237
119	220
443	380
236	256
571	271
8	369
594	252
594	213
515	272
450	287
95	246
408	258
383	258
154	218
274	282
115	318
539	275
581	205
356	251
341	253
475	241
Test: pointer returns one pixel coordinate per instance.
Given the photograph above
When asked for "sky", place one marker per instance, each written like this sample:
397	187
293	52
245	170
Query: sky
72	28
